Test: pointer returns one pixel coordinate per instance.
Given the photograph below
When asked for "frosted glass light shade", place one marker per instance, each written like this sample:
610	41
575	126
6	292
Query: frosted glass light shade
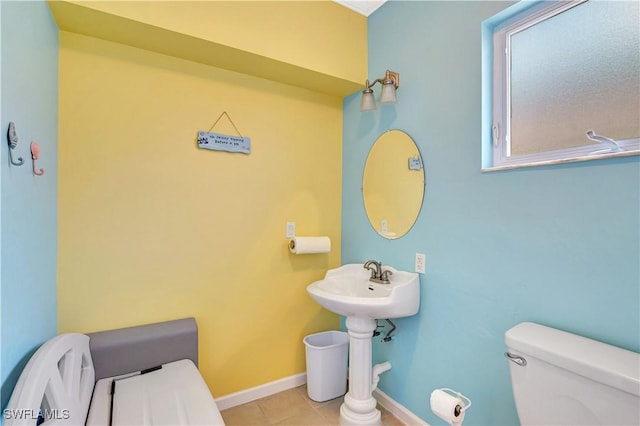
388	95
368	102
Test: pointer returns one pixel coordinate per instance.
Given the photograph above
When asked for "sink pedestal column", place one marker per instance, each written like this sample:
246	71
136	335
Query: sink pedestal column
359	407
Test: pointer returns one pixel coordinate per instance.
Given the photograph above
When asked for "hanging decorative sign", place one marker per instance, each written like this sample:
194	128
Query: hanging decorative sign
222	142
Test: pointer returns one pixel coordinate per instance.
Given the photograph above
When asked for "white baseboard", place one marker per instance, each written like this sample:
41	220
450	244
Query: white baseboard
271	388
398	410
248	395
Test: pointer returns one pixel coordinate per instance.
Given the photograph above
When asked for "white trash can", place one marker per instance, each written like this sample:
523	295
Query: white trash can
327	358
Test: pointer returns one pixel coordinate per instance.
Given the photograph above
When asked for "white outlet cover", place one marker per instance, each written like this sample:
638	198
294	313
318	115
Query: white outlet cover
421	262
291	230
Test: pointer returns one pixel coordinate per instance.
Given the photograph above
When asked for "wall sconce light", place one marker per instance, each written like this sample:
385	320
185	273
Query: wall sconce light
390	83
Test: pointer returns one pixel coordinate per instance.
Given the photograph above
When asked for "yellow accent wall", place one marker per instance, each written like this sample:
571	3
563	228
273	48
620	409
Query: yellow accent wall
317	45
152	228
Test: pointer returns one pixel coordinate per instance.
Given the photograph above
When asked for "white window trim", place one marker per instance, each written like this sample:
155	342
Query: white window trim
501	158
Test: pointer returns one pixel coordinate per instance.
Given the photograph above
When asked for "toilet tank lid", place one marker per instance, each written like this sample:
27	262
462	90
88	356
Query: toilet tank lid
598	361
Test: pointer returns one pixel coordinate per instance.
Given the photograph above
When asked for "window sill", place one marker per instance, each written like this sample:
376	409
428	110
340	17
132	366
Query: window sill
563	161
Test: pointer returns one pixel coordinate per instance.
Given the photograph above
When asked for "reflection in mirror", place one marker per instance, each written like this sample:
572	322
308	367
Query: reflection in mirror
393	184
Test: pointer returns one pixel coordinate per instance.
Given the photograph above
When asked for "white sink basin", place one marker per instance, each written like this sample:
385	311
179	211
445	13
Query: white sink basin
347	291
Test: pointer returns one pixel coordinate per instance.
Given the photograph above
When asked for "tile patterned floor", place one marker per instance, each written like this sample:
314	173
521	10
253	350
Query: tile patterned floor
292	407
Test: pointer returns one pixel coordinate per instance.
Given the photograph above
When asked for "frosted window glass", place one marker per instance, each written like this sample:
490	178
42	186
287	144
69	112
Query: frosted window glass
576	71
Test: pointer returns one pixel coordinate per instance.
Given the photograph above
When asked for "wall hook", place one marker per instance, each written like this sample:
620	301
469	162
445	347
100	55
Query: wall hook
35	154
12	139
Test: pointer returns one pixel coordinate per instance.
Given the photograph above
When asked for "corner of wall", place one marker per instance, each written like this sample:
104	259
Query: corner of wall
28	230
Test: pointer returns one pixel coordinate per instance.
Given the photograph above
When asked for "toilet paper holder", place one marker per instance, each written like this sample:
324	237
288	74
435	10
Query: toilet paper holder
458	409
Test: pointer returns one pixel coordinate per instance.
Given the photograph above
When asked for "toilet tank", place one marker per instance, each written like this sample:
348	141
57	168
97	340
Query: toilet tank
559	378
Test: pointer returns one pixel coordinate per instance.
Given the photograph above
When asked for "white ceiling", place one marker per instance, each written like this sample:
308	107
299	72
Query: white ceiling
364	7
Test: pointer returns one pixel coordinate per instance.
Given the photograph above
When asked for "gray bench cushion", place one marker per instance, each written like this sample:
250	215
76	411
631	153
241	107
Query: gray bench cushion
126	350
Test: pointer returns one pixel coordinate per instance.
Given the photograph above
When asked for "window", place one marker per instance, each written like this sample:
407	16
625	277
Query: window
565	83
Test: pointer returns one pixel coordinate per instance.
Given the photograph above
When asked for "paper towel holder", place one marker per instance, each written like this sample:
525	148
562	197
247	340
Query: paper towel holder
458	410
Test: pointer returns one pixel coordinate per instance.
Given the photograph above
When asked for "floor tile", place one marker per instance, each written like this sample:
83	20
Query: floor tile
293	408
308	417
245	414
330	411
283	405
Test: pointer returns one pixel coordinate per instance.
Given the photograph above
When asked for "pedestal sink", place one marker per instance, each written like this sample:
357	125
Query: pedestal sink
348	291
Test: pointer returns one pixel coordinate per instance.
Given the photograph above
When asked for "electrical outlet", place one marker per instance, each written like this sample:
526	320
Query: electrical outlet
291	230
421	263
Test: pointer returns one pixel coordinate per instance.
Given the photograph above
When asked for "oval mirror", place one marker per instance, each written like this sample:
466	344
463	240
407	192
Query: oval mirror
393	184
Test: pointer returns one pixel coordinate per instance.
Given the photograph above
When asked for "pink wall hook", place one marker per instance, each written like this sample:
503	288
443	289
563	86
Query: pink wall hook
35	154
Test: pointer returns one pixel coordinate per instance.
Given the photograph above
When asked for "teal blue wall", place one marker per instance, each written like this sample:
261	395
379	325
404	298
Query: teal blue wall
29	203
558	245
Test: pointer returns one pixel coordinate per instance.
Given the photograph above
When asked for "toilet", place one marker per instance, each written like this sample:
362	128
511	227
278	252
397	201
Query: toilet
559	378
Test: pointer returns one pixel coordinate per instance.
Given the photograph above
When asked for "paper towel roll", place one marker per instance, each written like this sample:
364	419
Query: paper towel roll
448	407
309	245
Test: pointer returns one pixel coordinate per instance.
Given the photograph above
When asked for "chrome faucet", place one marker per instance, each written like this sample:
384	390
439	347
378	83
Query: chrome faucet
376	270
377	274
